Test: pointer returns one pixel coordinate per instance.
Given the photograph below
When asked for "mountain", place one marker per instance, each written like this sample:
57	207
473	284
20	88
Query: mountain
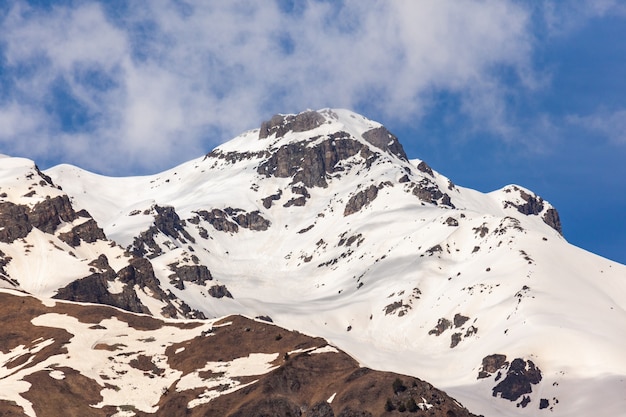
320	222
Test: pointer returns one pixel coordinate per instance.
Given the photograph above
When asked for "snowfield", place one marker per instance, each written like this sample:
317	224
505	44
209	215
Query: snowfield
389	261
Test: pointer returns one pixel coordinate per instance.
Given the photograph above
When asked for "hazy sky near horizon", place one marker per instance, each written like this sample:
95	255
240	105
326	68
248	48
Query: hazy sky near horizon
487	92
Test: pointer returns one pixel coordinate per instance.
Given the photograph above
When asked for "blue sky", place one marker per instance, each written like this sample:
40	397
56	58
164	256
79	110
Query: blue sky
487	92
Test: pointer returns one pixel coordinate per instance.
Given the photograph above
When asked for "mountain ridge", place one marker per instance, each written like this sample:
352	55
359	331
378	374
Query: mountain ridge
308	222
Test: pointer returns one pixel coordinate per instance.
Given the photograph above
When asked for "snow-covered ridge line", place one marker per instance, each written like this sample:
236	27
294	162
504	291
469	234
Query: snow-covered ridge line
317	222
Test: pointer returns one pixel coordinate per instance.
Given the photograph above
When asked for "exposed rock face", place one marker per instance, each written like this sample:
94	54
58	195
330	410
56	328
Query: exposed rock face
552	219
138	275
18	220
281	124
86	232
534	205
310	165
95	289
14	219
230	219
48	214
385	140
360	200
520	375
166	221
491	364
219	291
198	274
423	166
430	193
519	378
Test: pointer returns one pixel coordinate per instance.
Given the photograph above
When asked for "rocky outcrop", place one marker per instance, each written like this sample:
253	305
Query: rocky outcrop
166	221
491	364
49	213
137	276
198	274
385	140
18	220
219	291
312	164
88	232
280	124
519	377
360	200
14	221
534	205
230	219
552	219
428	192
95	288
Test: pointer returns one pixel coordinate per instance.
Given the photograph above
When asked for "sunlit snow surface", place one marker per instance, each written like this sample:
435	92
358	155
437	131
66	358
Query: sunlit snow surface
526	291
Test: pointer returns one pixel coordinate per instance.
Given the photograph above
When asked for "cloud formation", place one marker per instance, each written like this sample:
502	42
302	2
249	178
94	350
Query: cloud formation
122	87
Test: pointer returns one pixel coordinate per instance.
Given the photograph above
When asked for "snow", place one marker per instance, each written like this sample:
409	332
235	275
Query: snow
131	386
570	321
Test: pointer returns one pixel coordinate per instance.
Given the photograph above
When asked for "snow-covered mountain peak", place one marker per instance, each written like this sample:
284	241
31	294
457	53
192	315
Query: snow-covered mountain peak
319	221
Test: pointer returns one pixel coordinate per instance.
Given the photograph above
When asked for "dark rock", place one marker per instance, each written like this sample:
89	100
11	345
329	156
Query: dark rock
229	220
94	289
428	192
14	221
49	213
198	274
219	291
166	221
267	201
451	221
310	165
360	200
88	232
423	166
519	378
383	139
524	402
544	403
455	339
220	220
552	219
45	178
281	124
298	202
460	320
491	364
321	409
234	157
253	221
442	325
533	206
436	248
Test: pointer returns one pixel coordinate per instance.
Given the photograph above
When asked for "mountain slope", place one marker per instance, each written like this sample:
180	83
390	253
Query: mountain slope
320	221
72	359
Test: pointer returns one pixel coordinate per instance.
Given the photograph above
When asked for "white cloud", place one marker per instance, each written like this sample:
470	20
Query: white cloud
611	125
165	81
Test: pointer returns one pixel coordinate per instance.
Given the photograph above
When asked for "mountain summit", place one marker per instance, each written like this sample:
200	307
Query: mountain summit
320	222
